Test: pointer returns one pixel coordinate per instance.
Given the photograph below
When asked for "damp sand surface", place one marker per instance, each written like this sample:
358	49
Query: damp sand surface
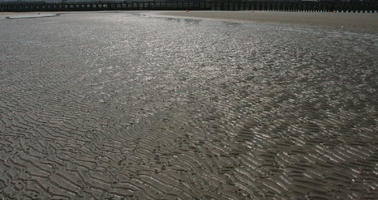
360	22
127	105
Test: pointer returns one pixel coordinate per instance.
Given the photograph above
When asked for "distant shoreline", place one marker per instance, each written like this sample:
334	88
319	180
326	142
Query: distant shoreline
359	22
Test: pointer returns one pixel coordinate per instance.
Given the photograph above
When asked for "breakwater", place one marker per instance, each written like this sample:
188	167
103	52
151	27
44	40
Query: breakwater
307	6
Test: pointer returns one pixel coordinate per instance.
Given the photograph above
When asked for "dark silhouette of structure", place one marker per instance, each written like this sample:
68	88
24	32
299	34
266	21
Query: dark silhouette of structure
274	5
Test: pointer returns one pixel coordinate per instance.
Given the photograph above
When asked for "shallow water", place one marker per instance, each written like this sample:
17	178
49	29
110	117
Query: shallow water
122	105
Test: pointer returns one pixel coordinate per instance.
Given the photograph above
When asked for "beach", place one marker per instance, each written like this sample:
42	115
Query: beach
188	105
360	22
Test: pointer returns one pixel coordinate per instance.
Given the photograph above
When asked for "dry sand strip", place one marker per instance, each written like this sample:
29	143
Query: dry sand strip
31	16
22	15
359	22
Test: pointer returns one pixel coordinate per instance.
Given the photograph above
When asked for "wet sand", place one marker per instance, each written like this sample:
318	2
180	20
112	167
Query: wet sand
360	22
104	105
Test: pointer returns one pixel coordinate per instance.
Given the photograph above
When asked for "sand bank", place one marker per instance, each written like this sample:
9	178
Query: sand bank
360	22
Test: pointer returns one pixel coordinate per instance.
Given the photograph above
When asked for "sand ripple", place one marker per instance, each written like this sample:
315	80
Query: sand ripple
123	106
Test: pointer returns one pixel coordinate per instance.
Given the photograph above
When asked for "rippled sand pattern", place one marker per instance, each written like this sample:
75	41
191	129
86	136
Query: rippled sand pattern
125	106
